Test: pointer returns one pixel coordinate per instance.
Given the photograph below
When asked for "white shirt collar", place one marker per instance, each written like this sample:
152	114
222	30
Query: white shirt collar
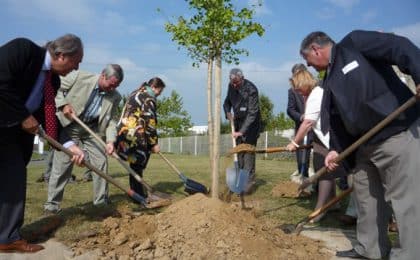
47	61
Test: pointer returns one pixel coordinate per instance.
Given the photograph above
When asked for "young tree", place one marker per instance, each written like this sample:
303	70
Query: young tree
173	119
209	36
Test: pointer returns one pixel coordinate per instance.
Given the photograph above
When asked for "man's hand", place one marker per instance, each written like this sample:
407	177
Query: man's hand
30	125
237	134
155	148
68	111
78	155
330	161
418	91
229	116
109	148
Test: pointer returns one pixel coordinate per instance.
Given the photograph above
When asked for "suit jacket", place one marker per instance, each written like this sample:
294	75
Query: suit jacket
20	64
75	89
362	88
245	104
295	107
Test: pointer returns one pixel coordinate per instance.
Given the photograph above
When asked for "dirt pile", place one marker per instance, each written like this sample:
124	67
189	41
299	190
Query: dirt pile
287	189
197	227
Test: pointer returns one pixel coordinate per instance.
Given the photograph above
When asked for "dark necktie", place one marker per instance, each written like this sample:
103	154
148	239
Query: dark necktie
51	124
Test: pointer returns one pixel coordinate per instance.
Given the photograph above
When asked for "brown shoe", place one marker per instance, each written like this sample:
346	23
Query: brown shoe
20	246
347	220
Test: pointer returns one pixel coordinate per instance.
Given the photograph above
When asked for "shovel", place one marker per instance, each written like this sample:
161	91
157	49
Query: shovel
191	186
154	194
137	197
298	228
236	179
360	141
248	148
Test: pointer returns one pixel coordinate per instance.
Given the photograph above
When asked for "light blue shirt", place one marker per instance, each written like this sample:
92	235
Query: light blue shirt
93	109
35	97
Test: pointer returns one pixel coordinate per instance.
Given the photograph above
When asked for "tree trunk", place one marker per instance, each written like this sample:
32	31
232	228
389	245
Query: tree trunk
210	111
216	121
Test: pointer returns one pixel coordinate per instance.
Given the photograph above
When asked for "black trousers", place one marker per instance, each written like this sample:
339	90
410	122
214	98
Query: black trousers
15	152
139	167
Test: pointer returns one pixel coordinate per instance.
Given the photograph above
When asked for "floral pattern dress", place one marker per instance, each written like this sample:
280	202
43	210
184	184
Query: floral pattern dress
137	127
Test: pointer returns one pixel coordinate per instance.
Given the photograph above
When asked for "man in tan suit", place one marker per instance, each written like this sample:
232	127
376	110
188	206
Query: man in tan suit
94	99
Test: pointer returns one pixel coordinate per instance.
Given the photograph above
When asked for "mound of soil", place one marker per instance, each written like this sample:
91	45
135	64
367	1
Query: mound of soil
197	227
288	189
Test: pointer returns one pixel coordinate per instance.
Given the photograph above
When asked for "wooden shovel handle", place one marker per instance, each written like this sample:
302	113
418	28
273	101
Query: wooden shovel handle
281	149
114	154
361	140
329	204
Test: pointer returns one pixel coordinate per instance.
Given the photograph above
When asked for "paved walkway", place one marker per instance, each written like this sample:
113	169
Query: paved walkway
335	239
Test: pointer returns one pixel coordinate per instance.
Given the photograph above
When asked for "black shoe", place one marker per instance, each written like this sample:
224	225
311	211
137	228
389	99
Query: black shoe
349	254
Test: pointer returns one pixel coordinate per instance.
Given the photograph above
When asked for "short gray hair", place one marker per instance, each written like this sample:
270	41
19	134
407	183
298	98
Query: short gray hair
113	70
68	44
298	67
236	73
318	37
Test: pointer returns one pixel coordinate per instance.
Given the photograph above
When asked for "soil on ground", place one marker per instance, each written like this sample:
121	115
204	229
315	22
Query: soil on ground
288	189
196	227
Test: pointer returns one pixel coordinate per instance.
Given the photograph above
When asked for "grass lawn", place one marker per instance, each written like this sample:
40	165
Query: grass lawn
80	215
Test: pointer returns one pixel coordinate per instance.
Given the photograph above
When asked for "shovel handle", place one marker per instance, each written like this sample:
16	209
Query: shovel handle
361	140
281	149
171	165
321	210
232	128
114	154
101	174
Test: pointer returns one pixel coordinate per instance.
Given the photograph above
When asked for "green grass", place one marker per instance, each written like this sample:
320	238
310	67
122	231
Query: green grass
80	215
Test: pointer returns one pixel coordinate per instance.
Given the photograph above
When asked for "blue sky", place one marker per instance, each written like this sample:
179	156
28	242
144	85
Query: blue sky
131	33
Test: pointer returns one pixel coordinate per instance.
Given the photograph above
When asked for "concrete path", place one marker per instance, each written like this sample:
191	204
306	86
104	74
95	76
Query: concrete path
335	239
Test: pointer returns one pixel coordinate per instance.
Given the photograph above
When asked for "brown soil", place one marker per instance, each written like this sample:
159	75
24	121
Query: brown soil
196	227
288	189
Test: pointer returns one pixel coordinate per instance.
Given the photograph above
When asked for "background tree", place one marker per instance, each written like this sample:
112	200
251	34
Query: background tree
209	36
173	119
266	110
282	122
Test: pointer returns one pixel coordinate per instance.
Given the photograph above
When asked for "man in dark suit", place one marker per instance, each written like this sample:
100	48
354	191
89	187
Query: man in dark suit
360	90
296	110
26	71
242	98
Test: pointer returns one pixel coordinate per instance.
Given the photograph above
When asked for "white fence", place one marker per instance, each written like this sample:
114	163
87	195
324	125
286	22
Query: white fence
199	144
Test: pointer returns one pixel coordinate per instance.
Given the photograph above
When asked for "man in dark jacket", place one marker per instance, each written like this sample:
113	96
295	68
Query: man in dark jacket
360	90
242	98
25	69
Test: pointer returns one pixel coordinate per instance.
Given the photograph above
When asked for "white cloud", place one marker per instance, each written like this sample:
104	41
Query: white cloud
411	31
75	11
345	4
325	13
369	15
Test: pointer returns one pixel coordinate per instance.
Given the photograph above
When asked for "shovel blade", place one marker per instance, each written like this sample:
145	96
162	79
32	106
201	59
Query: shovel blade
236	180
192	187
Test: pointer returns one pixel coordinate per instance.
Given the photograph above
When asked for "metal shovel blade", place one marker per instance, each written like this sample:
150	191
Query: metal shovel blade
192	187
236	179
